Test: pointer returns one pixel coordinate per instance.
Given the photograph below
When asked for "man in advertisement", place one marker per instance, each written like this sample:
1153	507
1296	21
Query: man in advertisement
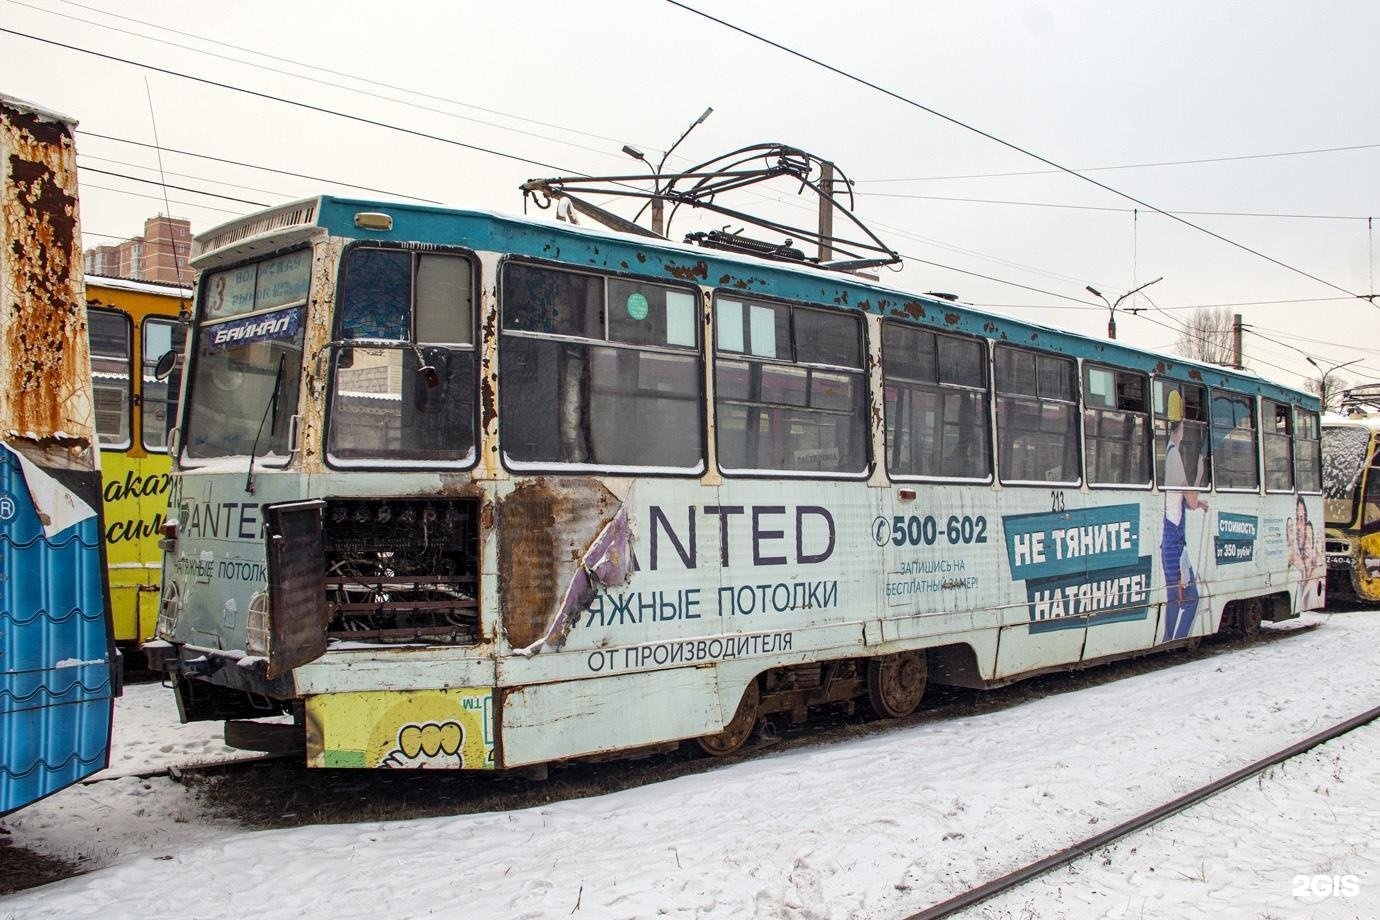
1180	580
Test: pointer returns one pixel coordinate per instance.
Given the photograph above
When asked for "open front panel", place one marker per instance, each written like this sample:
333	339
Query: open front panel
295	586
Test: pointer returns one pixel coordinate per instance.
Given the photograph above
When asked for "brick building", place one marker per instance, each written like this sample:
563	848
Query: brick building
160	254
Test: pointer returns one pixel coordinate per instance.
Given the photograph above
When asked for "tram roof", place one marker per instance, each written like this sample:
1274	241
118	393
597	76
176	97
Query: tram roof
601	249
140	287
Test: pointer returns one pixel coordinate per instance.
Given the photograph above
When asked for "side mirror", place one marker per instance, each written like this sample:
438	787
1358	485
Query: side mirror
165	365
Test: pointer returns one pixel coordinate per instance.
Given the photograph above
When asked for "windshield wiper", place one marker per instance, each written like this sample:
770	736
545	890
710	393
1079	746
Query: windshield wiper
269	410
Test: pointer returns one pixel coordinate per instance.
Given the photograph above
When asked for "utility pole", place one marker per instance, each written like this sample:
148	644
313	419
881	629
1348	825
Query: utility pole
826	211
1236	342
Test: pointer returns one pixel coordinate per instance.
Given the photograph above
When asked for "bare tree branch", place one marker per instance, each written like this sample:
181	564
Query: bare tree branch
1207	336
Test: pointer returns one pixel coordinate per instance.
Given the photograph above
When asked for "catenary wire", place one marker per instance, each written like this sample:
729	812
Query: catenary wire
1005	143
1087	207
337	73
293	102
189	204
180	188
361	119
181	175
334	85
270	169
1085	169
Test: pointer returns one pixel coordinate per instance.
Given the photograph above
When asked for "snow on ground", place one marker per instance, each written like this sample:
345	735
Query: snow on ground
876	827
1256	846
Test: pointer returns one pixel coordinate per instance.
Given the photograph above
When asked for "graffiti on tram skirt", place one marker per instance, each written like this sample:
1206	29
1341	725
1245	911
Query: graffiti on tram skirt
1080	567
432	729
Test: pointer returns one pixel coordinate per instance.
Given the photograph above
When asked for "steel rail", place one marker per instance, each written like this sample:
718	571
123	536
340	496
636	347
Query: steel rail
1086	847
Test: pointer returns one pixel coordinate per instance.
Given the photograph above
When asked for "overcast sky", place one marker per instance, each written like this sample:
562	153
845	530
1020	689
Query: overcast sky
1267	88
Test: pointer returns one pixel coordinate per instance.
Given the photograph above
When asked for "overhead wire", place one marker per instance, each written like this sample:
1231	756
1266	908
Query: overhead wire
281	172
1087	207
324	110
1013	146
181	175
189	204
180	188
1085	169
310	79
1081	304
1303	338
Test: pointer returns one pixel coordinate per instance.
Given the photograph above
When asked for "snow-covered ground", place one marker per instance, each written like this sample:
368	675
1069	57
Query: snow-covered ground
878	827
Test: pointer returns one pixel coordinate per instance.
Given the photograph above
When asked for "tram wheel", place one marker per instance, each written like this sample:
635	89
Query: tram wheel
1249	615
739	729
896	683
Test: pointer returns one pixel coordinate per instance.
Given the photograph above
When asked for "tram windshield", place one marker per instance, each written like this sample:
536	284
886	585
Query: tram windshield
1344	457
248	359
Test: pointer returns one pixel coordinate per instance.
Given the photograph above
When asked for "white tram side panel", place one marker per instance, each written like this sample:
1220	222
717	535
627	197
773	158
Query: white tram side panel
1028	578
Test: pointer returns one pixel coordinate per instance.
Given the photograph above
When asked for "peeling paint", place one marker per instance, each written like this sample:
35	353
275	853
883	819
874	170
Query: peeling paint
1194	374
951	318
689	272
607	561
547	526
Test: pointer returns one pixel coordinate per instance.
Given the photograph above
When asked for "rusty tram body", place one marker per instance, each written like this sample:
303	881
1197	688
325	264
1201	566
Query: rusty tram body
464	490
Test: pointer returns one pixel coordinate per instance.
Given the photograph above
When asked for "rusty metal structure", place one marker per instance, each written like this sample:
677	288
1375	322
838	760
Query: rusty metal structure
456	489
58	667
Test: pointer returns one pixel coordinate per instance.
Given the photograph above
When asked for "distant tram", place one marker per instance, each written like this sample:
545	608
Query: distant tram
1351	484
473	491
132	324
58	670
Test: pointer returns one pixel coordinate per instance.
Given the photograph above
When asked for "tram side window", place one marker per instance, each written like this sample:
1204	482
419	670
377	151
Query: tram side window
937	417
1307	451
599	372
789	391
1278	435
110	371
158	398
1182	447
1116	426
1234	441
414	401
1037	417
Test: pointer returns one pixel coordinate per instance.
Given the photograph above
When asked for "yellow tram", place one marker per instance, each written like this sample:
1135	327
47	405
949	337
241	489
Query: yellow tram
131	325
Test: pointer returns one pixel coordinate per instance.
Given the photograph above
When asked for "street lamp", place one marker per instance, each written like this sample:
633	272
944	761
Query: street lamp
656	186
1111	320
1322	383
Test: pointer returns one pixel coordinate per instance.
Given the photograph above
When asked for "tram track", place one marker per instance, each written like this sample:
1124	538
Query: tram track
1086	847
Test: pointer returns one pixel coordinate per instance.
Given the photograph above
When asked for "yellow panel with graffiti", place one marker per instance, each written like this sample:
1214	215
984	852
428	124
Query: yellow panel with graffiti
135	495
433	729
